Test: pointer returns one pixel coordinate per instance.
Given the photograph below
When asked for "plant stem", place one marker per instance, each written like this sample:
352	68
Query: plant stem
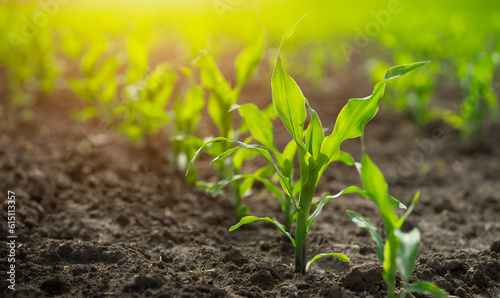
305	199
287	210
300	243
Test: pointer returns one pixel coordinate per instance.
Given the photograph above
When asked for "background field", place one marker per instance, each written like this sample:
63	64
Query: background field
92	143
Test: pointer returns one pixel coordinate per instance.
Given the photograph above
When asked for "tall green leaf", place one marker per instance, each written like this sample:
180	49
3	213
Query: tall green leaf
407	251
288	100
314	134
376	187
356	114
259	125
248	59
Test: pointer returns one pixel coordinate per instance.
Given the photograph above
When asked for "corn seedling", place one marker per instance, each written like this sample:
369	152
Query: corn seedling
481	102
222	98
260	126
98	87
31	64
144	112
315	154
186	117
400	249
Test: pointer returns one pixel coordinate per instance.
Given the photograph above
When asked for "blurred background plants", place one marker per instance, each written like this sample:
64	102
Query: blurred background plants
166	67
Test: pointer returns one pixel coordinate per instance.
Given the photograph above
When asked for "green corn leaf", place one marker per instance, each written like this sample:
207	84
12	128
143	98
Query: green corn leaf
389	264
90	58
400	70
354	116
284	181
342	257
376	187
249	219
186	71
408	212
259	125
350	123
314	133
207	185
346	158
392	201
187	111
245	186
138	56
407	251
286	158
240	156
242	211
212	78
225	154
106	71
288	100
217	112
263	172
326	199
108	93
270	112
248	59
363	222
269	186
426	288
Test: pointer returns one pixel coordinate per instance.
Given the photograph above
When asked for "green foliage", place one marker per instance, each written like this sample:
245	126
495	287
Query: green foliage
221	104
98	87
144	113
400	249
315	151
29	64
481	103
186	117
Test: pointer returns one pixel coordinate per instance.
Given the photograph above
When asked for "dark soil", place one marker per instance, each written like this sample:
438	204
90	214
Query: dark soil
97	216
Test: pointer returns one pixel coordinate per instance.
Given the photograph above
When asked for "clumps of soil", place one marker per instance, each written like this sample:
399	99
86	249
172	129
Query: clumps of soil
366	277
464	274
117	224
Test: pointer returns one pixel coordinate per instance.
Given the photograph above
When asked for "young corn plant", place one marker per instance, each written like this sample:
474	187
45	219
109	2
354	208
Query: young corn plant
222	97
144	113
481	103
400	249
315	151
98	87
261	128
186	117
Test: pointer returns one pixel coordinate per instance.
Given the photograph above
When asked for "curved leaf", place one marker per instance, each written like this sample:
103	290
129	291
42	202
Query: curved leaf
319	256
288	99
426	288
269	186
407	251
259	125
400	70
354	116
326	199
410	209
249	58
314	133
363	222
284	181
376	187
249	219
